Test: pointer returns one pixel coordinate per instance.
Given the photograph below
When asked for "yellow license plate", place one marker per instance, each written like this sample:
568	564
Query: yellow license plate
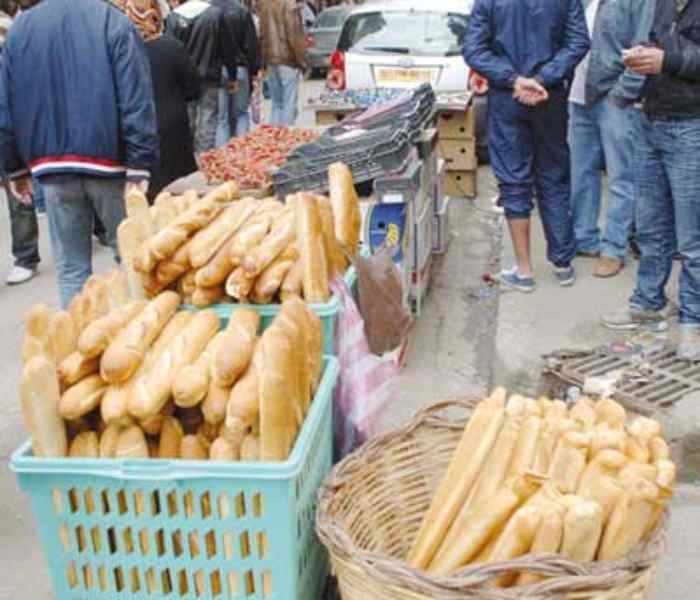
385	75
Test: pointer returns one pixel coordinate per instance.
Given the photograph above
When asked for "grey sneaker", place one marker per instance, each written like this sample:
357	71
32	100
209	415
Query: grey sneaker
632	318
689	343
509	278
566	276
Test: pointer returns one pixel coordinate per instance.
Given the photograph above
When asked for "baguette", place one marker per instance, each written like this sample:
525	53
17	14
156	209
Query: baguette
294	319
293	282
250	448
153	388
250	236
548	539
314	354
61	336
270	280
82	398
137	208
218	269
207	242
85	445
191	448
204	297
346	207
36	341
40	402
186	285
610	412
75	367
239	285
192	381
153	425
98	292
130	237
162	216
336	260
122	357
233	356
173	268
243	407
131	443
517	539
163	199
311	249
97	336
171	436
215	403
282	234
583	526
569	461
222	449
108	441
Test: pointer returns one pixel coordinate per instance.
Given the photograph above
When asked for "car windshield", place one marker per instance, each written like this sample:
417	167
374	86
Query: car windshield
421	33
331	19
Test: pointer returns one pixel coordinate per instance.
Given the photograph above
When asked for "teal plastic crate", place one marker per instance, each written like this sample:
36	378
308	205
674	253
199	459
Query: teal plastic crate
327	312
185	530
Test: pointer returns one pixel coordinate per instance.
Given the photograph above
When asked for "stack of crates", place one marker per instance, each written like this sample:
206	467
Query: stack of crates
457	130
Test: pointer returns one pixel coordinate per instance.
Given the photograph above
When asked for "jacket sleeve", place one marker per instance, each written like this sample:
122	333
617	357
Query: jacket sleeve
252	45
478	50
295	33
134	87
11	163
682	56
576	45
187	73
228	48
641	16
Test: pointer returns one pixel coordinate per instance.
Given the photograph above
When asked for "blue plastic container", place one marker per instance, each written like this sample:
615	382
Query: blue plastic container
167	529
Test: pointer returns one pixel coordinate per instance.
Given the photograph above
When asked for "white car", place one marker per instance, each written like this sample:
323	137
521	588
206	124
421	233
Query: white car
405	43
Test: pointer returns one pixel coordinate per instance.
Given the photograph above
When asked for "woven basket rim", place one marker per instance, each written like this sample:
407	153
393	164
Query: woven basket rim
564	575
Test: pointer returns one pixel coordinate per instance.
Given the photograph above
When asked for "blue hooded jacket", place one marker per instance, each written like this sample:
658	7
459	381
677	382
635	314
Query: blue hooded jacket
545	39
76	95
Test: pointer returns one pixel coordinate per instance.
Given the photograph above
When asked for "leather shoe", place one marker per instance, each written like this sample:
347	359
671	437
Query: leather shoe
608	267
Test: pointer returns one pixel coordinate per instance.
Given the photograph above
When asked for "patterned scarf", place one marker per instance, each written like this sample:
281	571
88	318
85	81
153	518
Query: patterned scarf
145	14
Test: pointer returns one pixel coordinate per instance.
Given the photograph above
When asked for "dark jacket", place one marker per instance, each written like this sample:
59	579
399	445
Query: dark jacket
531	38
676	91
619	24
175	83
76	94
200	26
241	26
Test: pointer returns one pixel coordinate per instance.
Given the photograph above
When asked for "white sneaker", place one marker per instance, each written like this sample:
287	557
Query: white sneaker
19	275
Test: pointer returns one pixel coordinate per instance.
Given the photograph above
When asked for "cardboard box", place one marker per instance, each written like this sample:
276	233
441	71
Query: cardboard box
460	184
460	155
457	124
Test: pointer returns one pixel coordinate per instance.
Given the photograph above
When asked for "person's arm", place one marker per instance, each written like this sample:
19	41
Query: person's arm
11	163
628	87
228	48
576	45
478	50
134	87
187	74
253	46
295	33
681	56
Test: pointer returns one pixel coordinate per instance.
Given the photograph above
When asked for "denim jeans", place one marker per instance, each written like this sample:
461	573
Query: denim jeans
284	94
667	186
71	202
234	119
204	118
603	135
24	230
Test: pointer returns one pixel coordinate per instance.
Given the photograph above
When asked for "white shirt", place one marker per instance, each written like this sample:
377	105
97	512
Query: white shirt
578	87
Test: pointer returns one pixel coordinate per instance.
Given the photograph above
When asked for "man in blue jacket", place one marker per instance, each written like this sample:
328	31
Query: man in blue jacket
77	112
605	128
667	175
528	49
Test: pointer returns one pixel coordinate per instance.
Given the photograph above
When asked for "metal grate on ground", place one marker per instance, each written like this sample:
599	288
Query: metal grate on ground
651	380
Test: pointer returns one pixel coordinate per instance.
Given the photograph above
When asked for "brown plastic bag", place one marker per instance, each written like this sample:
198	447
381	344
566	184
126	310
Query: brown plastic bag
387	322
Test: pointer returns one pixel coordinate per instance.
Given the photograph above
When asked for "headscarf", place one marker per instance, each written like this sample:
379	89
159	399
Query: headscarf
147	15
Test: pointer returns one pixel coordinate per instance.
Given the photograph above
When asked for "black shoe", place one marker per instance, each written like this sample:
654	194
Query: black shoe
635	252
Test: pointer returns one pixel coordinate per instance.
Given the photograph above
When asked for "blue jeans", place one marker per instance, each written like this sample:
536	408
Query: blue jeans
284	94
667	186
24	231
530	156
234	118
603	135
71	202
204	118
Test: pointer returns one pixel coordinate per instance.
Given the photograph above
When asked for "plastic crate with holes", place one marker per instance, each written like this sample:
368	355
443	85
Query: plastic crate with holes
185	530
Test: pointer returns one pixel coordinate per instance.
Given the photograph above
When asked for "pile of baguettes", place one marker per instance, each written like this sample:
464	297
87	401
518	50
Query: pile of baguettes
222	249
119	378
537	477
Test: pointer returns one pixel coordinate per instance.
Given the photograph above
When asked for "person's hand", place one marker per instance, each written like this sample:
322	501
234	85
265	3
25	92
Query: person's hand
643	60
529	91
233	86
137	186
23	191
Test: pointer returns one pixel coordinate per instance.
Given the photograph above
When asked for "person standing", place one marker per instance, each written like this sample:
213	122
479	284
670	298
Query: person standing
528	56
283	46
667	172
77	112
604	129
234	117
200	26
175	83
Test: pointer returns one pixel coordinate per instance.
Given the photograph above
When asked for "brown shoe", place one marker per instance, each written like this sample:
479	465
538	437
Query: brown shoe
608	267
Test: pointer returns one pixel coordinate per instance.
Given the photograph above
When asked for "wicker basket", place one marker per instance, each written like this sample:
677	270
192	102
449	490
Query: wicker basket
372	503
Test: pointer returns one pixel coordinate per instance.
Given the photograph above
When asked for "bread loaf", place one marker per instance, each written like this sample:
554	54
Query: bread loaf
215	403
36	333
239	285
292	284
243	407
186	285
123	355
293	318
108	441
233	356
281	235
97	336
162	216
346	207
85	445
118	288
81	398
223	450
76	367
250	448
270	280
131	444
547	540
130	237
192	381
203	297
569	461
98	292
311	249
218	269
583	526
516	539
40	402
610	412
154	424
153	388
137	208
250	236
171	435
61	336
174	267
191	448
335	258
